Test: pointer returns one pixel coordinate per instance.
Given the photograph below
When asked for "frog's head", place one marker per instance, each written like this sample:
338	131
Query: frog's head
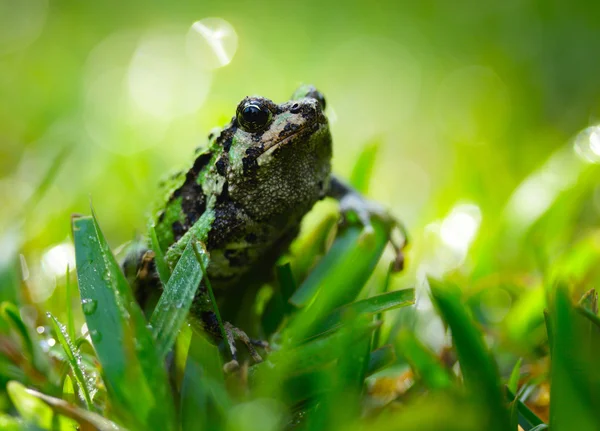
280	154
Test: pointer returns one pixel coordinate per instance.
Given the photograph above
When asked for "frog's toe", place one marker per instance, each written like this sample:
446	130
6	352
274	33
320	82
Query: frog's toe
365	210
231	366
260	343
234	334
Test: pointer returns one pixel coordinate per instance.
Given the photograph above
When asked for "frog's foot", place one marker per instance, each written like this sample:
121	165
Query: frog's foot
147	266
234	334
365	210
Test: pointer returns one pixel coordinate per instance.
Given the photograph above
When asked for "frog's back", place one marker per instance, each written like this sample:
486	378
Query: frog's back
245	196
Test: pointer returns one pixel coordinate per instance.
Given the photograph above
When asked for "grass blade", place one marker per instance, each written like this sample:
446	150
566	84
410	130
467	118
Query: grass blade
338	278
132	369
70	317
204	399
370	306
201	260
345	268
74	360
287	283
476	363
33	351
425	364
363	168
574	394
46	403
164	273
527	419
176	300
34	410
515	374
380	359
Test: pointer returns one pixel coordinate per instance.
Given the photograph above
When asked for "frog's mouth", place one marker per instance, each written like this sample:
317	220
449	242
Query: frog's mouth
281	141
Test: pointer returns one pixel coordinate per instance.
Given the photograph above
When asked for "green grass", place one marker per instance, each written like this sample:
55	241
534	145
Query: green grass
344	354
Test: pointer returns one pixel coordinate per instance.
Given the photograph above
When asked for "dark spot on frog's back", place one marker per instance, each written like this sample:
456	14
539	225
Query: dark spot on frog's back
200	163
249	165
226	137
223	197
193	201
221	165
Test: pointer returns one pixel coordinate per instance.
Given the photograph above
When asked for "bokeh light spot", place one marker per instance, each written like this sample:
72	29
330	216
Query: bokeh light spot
56	260
136	86
587	144
211	43
458	229
162	81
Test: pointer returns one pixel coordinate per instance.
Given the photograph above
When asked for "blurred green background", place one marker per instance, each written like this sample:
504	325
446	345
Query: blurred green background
483	116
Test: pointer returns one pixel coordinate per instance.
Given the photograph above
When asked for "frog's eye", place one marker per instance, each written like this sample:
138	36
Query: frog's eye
316	94
253	116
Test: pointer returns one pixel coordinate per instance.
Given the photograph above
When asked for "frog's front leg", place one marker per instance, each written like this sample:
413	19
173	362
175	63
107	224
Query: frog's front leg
210	325
352	202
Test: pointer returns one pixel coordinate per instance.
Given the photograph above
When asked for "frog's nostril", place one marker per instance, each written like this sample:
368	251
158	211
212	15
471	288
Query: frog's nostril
295	108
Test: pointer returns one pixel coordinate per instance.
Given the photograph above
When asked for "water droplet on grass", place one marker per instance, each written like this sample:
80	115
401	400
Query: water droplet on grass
96	336
89	306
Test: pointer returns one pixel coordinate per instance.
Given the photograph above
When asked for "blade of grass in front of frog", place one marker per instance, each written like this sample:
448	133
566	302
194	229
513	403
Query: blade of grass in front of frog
164	273
306	385
513	380
351	370
204	398
549	331
11	423
594	318
10	278
10	371
315	237
527	419
212	298
33	351
87	419
71	330
338	278
277	307
35	411
268	377
177	297
74	360
384	289
287	283
476	363
363	168
380	359
434	412
375	305
424	363
575	377
133	372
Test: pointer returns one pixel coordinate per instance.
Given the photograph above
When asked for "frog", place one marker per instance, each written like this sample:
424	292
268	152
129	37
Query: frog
243	197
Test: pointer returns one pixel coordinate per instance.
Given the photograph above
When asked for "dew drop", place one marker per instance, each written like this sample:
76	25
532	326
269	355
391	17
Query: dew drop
89	306
96	336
